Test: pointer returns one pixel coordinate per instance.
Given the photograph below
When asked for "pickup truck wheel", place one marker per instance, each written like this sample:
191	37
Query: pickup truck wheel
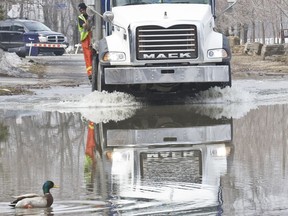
59	53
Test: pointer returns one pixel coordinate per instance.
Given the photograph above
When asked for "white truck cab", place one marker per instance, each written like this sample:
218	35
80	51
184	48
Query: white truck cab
152	46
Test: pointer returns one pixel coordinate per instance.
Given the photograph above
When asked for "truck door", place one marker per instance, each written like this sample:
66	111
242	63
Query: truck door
16	36
5	39
4	35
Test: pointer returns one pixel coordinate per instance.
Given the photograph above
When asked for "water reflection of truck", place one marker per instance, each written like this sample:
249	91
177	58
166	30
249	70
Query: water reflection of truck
166	144
160	46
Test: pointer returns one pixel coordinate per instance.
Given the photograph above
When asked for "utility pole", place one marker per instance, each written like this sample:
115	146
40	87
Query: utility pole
97	28
98	20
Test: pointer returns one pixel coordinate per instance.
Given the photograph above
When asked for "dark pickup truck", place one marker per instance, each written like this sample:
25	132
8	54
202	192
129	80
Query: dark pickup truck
29	37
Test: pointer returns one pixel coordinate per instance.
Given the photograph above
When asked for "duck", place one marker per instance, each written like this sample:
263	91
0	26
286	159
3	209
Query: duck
34	200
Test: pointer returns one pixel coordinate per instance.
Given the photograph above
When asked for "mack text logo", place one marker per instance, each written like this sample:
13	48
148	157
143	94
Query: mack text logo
167	55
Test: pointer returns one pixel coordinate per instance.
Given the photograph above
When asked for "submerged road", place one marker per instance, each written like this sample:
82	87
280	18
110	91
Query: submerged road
66	70
246	176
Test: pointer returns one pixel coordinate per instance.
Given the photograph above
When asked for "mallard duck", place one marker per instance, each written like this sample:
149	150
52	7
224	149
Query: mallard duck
35	200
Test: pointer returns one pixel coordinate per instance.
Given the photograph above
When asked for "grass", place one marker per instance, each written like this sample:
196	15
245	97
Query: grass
244	65
14	91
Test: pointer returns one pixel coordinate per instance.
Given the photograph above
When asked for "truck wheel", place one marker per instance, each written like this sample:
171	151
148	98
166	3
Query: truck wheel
94	80
222	85
59	53
94	72
100	77
101	86
99	137
229	83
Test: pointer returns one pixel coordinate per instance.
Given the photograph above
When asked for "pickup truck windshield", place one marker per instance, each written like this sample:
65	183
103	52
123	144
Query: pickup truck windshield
135	2
36	26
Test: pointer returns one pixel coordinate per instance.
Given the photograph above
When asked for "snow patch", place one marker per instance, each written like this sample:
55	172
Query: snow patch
12	65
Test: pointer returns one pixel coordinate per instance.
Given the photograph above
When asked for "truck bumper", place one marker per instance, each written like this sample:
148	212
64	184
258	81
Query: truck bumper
191	135
181	74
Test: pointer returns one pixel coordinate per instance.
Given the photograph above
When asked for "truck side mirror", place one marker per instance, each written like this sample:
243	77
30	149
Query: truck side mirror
108	16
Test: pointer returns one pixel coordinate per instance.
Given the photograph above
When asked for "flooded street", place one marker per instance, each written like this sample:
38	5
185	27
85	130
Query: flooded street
223	152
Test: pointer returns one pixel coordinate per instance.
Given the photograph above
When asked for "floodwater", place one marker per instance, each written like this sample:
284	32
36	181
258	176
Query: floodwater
220	153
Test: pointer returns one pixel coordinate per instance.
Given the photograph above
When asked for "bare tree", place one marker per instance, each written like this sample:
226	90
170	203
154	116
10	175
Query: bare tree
251	20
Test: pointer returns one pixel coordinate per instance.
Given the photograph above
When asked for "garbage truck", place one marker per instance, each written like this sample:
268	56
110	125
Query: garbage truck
158	46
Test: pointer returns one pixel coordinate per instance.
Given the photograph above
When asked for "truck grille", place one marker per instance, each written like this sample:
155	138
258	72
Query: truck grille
158	43
56	39
173	166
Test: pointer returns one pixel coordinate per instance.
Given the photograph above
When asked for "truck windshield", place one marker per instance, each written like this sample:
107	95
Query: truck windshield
135	2
36	26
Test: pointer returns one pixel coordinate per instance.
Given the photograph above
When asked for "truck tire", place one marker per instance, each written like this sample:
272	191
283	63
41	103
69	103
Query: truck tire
229	83
94	71
101	86
59	53
100	78
222	85
94	80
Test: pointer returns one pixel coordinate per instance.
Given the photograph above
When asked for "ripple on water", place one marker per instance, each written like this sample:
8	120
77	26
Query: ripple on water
167	198
140	199
74	207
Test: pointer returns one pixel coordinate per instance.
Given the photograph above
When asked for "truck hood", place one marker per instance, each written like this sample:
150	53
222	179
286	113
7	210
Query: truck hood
125	15
47	33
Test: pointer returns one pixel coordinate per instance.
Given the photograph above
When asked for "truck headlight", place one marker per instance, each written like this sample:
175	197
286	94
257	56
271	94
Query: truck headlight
114	57
220	151
42	39
118	156
217	53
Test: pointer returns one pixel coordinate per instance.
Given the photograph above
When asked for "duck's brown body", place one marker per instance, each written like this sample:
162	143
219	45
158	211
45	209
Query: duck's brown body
35	200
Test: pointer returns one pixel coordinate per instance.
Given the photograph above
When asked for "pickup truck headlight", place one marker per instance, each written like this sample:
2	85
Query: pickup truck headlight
42	39
217	53
114	57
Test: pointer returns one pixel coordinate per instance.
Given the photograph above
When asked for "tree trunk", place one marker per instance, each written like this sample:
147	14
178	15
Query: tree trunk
263	32
253	31
244	33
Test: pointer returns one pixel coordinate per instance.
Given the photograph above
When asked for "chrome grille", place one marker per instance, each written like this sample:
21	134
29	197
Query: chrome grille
175	42
56	39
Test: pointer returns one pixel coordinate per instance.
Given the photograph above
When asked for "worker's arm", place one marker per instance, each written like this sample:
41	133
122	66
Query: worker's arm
83	24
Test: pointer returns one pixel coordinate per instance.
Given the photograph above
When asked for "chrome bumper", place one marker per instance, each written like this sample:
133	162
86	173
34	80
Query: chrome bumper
165	136
183	74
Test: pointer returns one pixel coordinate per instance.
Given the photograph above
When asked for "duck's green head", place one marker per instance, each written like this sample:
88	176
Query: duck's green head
47	186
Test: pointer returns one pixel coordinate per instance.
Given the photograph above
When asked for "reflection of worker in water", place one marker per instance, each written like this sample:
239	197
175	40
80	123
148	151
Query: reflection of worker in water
90	160
84	26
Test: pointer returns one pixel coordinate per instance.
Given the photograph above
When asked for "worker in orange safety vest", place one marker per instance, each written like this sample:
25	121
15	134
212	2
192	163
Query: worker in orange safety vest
91	143
90	158
84	27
